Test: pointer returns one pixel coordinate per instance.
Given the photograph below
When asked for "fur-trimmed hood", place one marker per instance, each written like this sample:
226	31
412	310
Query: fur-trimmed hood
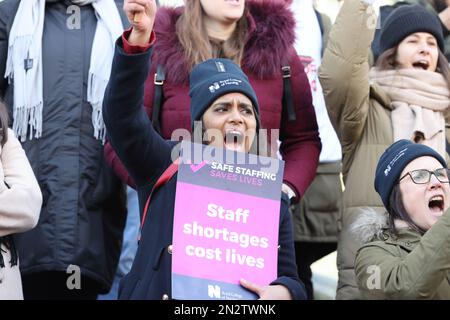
369	225
270	38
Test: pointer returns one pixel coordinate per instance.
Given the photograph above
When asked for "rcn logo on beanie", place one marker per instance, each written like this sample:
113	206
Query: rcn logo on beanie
214	78
394	160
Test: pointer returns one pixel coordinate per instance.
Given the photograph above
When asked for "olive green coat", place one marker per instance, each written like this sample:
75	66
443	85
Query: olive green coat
407	266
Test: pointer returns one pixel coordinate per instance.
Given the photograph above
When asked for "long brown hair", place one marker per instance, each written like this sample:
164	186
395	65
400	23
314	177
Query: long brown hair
386	61
196	43
3	124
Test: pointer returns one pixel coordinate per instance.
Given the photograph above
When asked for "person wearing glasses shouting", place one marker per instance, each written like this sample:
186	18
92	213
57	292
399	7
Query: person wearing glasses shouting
407	252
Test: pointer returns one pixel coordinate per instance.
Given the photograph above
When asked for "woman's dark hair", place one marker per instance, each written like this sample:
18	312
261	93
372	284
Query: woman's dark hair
386	61
3	124
397	211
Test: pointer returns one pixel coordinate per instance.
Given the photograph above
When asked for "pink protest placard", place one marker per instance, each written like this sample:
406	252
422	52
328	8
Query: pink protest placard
225	228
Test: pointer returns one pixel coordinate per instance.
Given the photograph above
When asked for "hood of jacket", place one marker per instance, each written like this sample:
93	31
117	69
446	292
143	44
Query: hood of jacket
369	225
270	37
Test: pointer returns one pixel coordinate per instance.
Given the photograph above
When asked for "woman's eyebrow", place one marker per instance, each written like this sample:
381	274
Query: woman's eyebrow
219	103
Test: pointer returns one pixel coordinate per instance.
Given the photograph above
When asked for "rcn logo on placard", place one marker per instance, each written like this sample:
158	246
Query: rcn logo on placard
214	291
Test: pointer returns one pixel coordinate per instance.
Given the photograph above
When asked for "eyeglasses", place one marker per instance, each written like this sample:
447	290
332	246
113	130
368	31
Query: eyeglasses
423	176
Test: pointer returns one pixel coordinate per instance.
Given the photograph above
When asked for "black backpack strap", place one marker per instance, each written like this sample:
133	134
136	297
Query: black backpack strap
288	101
158	98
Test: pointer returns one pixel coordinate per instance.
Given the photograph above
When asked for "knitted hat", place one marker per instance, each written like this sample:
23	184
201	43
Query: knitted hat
406	20
394	160
214	78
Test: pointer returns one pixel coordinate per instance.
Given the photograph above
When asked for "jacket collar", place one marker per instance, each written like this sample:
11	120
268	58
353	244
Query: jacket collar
406	238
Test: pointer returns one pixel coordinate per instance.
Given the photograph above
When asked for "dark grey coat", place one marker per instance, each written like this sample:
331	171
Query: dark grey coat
83	211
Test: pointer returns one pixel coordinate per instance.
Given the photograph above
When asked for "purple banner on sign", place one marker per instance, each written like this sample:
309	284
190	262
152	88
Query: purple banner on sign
221	235
231	171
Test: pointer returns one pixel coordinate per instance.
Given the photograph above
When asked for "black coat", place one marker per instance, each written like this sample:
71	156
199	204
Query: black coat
84	209
146	155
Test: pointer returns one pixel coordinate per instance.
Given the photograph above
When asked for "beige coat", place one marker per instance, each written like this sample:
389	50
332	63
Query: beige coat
20	205
361	115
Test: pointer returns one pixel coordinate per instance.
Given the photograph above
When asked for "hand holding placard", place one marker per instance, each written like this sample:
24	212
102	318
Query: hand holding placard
275	292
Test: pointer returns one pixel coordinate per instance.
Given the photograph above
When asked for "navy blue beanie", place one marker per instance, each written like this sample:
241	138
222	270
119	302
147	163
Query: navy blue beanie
214	78
406	20
394	160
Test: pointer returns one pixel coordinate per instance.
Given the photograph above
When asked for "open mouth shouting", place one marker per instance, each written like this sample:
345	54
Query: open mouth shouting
421	64
234	140
436	204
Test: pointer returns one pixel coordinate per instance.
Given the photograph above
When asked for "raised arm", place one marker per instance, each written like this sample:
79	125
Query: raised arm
344	73
143	152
